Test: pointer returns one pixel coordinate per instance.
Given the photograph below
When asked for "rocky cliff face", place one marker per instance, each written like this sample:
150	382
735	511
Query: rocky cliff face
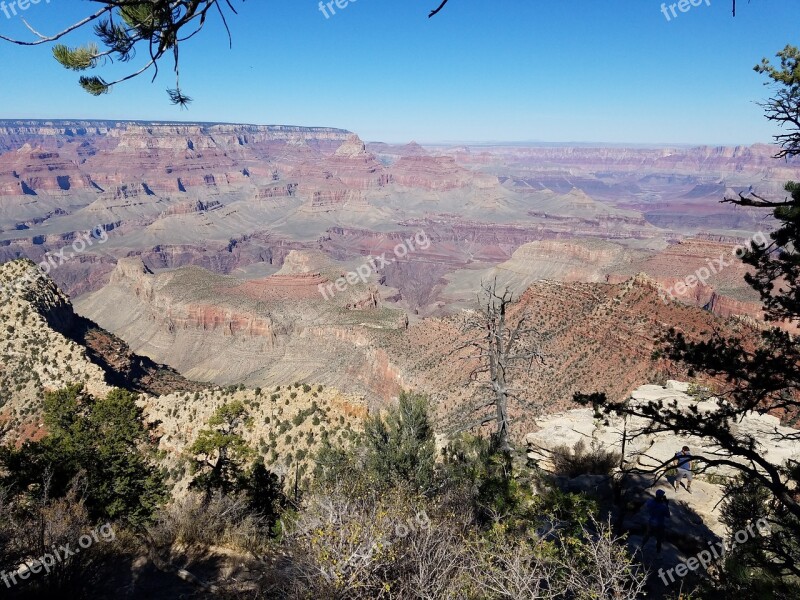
14	133
29	171
719	160
165	157
350	165
703	272
48	134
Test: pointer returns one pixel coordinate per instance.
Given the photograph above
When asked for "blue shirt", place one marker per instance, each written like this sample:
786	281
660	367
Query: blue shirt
684	461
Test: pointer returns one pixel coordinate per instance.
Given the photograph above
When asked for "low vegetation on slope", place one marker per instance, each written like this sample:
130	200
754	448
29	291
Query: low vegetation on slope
382	519
286	425
45	346
35	357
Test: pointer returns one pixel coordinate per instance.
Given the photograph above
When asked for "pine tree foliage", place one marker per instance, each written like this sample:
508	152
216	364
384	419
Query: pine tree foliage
401	445
77	59
784	107
103	442
220	451
157	27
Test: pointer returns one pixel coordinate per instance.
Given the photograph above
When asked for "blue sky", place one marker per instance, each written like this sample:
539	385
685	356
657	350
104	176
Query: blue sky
482	70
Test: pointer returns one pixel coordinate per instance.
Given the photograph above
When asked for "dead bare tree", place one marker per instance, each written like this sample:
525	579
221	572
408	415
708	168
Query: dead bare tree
501	354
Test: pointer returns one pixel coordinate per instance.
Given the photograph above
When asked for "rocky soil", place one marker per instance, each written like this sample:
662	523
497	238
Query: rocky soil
695	519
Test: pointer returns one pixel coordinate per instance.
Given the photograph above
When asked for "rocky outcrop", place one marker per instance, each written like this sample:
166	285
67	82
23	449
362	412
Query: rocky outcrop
276	191
434	173
351	165
695	520
703	272
650	450
46	346
192	206
328	197
568	261
31	170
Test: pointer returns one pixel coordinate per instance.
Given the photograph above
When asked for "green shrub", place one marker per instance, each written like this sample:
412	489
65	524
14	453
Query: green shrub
583	460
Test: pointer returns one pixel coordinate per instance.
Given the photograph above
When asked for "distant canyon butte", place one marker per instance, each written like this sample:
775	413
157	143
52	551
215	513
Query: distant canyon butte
220	236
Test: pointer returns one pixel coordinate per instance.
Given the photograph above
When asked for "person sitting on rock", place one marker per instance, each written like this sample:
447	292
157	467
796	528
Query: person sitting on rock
684	467
658	513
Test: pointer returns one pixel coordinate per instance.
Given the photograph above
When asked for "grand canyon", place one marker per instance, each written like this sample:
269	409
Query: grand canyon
198	263
221	238
393	300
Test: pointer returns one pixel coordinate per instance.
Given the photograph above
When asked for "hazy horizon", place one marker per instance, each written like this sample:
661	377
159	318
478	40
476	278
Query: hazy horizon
432	143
